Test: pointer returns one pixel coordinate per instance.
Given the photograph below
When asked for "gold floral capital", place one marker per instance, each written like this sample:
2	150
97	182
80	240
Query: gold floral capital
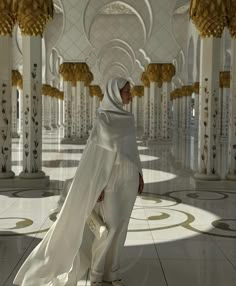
209	16
137	90
154	73
196	87
80	71
88	78
167	72
225	79
16	78
187	90
32	16
231	7
145	79
66	70
95	90
7	19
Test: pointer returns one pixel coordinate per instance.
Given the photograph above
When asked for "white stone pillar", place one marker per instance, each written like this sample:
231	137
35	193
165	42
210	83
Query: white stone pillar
5	106
21	115
74	110
14	112
165	119
146	112
232	116
188	112
135	110
209	91
67	109
86	111
32	125
196	104
80	109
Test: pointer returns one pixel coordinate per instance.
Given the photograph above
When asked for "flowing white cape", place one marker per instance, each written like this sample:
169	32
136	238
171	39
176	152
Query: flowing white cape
60	258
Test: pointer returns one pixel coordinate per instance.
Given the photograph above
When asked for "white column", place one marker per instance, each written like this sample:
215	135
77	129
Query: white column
5	106
146	112
135	110
79	109
188	112
74	111
67	109
48	114
86	110
208	96
165	118
95	107
32	125
14	112
196	106
21	116
232	116
155	111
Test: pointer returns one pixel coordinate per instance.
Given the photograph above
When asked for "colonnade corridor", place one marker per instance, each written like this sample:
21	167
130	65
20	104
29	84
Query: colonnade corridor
177	235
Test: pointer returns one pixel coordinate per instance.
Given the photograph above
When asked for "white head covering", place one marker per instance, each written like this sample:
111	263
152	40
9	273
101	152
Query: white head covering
112	100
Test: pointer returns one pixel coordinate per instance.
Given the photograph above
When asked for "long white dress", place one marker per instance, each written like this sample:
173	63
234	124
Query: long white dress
62	257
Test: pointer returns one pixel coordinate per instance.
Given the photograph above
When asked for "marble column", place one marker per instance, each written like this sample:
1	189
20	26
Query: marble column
32	102
74	110
21	115
96	93
14	133
231	174
210	52
146	122
5	106
137	92
68	109
67	72
223	105
167	72
209	91
154	75
196	104
87	98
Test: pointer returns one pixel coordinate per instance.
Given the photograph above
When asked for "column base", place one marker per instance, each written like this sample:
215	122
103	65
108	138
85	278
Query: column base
231	177
17	182
205	177
6	175
212	185
38	175
74	141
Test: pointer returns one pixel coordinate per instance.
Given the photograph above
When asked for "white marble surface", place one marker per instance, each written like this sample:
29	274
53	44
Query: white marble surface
176	236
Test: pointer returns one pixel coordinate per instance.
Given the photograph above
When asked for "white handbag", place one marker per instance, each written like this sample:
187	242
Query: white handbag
97	226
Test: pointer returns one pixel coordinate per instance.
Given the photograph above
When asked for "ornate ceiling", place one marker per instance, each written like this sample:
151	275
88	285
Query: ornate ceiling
115	38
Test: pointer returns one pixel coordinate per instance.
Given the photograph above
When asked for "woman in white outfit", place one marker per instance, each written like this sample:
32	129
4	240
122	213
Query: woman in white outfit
107	179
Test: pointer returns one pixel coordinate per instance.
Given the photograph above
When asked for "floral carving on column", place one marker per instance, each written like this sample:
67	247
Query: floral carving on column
154	74
67	72
146	83
167	73
7	22
81	70
88	80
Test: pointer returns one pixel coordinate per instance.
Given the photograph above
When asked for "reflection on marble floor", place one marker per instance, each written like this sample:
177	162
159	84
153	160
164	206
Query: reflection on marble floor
177	235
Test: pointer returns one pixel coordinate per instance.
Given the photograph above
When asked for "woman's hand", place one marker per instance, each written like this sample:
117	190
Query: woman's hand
101	197
141	185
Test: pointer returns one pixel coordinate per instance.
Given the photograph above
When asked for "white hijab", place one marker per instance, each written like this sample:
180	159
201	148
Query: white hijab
112	100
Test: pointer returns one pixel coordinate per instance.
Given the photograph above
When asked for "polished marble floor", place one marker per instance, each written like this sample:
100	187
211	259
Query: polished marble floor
177	235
